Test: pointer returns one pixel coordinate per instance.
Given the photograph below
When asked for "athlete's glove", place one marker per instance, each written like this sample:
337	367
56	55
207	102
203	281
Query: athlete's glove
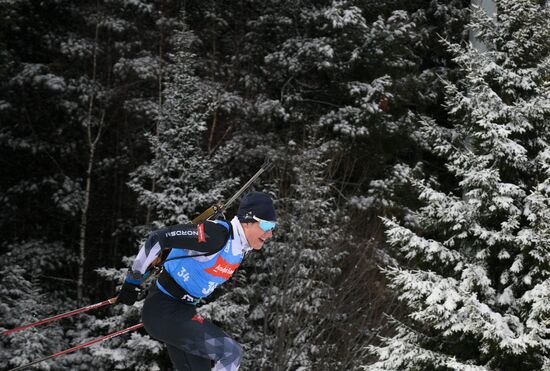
128	294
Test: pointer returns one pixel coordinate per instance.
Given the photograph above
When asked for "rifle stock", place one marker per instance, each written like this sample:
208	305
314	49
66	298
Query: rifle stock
208	213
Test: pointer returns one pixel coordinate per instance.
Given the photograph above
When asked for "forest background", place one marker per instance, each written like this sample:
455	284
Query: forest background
411	178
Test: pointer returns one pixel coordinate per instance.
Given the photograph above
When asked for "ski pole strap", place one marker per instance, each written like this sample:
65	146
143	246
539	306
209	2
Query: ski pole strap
84	345
171	286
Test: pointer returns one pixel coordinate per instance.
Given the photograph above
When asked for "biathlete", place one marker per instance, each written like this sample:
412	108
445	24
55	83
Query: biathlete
202	257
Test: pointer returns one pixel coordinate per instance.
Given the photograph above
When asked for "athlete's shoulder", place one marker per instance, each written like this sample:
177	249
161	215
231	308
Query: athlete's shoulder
205	237
218	228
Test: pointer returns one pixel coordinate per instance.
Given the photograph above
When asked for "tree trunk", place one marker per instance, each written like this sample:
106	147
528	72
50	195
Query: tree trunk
83	225
92	145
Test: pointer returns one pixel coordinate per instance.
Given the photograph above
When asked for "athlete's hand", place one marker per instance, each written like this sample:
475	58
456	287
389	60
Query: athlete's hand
128	294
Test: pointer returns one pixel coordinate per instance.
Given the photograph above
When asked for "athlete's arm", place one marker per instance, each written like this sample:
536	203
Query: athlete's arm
208	237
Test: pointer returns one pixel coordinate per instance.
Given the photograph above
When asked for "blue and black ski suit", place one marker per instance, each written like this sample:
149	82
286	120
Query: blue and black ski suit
169	311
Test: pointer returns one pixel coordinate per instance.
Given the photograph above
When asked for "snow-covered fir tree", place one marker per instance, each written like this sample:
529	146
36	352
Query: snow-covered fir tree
181	179
282	304
475	267
364	70
177	184
401	68
355	66
135	351
68	69
23	302
301	268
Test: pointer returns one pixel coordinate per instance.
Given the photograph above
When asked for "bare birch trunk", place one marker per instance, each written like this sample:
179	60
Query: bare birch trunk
92	145
83	225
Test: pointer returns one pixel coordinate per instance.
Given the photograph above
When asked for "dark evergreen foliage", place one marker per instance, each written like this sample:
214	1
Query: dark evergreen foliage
474	264
186	100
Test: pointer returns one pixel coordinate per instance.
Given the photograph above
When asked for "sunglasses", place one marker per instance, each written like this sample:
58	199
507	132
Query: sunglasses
265	225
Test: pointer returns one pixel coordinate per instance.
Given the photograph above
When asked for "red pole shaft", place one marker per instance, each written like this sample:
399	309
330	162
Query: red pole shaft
84	345
59	316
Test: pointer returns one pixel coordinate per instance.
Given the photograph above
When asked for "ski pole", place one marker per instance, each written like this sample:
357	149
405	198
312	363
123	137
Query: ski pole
64	315
84	345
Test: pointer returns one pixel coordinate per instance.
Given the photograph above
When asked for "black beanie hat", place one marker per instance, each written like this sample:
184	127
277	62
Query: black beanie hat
256	204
